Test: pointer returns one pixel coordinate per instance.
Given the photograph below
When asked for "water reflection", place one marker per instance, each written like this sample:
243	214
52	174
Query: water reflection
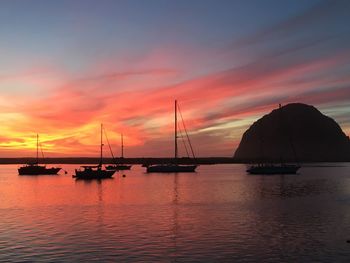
220	215
290	186
100	207
175	217
92	183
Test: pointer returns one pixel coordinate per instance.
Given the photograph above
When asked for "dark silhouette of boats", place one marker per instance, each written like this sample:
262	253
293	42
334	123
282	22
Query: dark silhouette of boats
171	168
119	166
36	169
88	172
271	168
174	167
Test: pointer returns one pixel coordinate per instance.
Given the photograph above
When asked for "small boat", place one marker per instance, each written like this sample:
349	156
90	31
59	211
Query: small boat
93	172
120	166
273	169
35	168
171	168
174	167
88	172
270	168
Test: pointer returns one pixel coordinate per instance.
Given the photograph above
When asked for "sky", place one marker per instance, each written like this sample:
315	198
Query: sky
68	66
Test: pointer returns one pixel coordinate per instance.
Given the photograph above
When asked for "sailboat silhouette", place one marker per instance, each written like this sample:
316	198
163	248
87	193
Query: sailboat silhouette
35	168
271	168
88	172
172	167
120	166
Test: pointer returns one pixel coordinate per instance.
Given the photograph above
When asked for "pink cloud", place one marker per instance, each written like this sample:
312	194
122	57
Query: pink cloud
70	112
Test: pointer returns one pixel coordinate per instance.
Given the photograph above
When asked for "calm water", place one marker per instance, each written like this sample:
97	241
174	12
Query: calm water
219	214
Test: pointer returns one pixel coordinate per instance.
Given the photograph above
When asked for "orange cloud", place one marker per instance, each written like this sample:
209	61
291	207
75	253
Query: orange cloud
217	107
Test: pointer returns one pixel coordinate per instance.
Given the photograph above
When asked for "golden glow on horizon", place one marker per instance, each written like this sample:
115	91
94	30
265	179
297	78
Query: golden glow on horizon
217	107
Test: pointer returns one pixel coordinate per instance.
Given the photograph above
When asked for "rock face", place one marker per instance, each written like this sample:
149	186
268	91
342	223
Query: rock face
295	132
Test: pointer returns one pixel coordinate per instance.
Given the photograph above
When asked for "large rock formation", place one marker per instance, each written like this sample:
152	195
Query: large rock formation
295	132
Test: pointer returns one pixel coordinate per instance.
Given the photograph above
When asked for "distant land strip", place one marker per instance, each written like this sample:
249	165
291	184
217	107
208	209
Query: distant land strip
151	160
95	160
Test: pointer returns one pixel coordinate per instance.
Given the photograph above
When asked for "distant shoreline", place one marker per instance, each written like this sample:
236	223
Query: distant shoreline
92	160
150	160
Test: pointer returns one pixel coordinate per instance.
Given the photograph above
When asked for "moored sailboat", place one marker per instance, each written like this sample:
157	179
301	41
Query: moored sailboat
273	168
87	172
174	167
171	168
120	166
35	168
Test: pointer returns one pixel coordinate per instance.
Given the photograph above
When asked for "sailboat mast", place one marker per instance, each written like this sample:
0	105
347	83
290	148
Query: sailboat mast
37	148
122	142
101	145
176	150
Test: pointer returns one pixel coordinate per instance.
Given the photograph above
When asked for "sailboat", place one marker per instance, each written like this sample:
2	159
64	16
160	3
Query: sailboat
172	167
120	166
88	172
35	168
271	168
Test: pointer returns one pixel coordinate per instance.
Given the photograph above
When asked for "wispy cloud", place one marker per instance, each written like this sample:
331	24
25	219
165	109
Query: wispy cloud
305	58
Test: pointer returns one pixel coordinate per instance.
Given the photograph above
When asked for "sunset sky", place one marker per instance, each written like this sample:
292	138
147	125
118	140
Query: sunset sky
67	66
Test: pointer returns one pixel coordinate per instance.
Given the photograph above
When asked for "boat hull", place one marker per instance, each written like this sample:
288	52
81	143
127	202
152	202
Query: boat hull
171	168
272	169
93	174
38	170
119	167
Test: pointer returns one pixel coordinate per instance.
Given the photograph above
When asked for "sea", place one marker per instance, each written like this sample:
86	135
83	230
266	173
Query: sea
218	214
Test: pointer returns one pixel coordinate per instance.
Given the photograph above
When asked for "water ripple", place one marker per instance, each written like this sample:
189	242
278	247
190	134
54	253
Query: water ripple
219	214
